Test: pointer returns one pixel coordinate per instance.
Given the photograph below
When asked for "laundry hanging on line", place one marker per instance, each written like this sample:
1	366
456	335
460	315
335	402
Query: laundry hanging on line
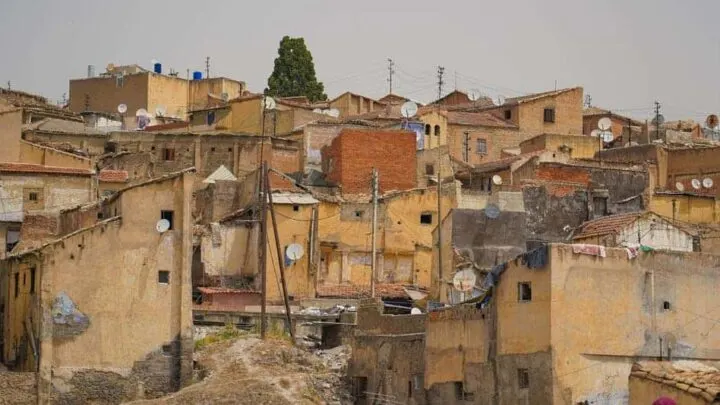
585	249
536	258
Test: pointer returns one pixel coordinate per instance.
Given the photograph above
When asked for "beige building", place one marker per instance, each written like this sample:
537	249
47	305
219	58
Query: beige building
687	383
138	88
103	312
351	104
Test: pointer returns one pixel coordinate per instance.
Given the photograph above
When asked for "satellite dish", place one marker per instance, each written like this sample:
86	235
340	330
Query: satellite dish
415	311
607	136
497	180
696	184
269	103
122	108
294	251
318	111
492	211
160	111
162	226
712	121
474	95
658	120
333	112
409	109
225	96
707	182
141	113
605	123
501	100
595	133
464	280
110	67
680	187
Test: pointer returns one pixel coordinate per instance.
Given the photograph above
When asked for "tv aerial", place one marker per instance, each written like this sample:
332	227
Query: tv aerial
707	182
294	251
696	184
501	100
474	95
408	109
680	187
603	131
162	226
269	103
497	180
122	108
604	124
464	280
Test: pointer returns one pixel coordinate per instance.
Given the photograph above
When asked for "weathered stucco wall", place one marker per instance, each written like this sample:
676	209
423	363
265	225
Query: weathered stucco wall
644	391
10	135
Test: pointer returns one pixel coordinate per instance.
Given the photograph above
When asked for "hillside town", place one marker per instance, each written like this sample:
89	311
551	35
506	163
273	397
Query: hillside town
161	233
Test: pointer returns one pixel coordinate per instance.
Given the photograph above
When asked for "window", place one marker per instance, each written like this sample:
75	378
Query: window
210	118
599	206
168	154
428	129
358	214
17	284
426	219
169	216
666	305
33	270
549	115
429	170
152	148
359	387
33	196
524	292
296	207
523	378
437	130
12	238
212	149
460	393
229	149
481	147
696	244
164	277
508	114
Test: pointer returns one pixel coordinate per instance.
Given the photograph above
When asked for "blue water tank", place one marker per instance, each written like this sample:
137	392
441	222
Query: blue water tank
197	75
157	68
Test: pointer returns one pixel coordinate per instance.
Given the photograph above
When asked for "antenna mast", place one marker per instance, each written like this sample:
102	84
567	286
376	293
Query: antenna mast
391	72
657	120
207	67
440	73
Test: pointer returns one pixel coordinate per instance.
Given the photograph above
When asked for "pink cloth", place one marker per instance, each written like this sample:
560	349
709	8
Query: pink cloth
593	250
632	252
664	401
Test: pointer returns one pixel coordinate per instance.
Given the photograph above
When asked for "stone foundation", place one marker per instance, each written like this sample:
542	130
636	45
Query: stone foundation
18	388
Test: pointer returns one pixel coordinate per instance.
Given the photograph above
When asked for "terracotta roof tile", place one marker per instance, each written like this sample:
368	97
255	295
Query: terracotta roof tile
477	119
40	169
113	176
360	291
607	225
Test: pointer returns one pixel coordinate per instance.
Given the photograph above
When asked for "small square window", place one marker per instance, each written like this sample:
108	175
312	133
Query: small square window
164	277
524	292
168	154
429	170
523	378
152	148
212	149
697	247
508	114
229	149
358	214
296	207
481	147
549	115
426	219
169	215
666	305
33	196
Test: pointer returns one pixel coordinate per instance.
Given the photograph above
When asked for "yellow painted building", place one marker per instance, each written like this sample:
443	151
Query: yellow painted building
577	146
247	116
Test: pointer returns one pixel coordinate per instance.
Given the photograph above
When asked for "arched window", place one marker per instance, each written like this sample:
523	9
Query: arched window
427	129
437	130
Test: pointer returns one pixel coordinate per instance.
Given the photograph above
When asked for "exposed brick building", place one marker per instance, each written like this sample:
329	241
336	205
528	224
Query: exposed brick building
350	158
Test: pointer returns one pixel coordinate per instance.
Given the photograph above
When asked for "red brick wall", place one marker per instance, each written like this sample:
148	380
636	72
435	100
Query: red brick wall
349	160
565	174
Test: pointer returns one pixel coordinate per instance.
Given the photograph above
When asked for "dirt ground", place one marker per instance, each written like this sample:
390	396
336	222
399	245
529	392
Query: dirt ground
250	371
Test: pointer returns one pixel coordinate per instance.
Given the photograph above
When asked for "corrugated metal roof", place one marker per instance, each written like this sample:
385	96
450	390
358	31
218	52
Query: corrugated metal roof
293	199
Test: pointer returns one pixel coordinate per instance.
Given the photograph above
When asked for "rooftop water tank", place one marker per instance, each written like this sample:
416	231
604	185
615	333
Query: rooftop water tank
157	68
197	75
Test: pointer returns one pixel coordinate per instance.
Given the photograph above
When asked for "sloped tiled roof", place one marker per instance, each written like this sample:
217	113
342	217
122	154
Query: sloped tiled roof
6	167
477	119
590	111
537	96
503	164
361	291
607	225
113	176
694	378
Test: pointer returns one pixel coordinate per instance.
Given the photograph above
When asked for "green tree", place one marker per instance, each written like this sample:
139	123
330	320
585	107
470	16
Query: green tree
294	72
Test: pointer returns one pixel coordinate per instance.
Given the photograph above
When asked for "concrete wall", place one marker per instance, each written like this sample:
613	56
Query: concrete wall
496	140
568	114
685	207
41	155
582	146
649	231
54	191
645	391
103	94
10	135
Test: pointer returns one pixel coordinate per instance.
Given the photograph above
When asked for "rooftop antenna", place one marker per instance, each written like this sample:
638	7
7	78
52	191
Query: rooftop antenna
474	95
658	120
9	87
408	109
391	72
501	99
207	67
588	101
440	73
160	111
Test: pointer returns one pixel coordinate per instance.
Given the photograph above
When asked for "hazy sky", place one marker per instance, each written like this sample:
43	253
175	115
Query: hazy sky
625	53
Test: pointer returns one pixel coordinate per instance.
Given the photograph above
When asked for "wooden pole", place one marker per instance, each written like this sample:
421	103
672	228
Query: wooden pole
281	264
263	250
374	232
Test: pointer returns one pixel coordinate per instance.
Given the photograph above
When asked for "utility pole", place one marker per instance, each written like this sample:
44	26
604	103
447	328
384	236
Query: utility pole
263	249
207	67
466	147
391	72
440	73
657	120
374	231
281	263
439	225
588	101
9	85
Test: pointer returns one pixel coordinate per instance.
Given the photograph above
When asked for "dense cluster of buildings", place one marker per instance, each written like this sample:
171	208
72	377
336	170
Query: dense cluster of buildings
546	262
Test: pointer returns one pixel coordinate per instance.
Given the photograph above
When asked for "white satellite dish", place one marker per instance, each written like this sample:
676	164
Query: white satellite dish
464	280
141	113
318	111
160	111
294	251
595	133
269	103
696	184
474	95
415	311
501	100
122	108
607	136
162	226
333	112
707	182
225	97
409	109
492	211
605	123
680	187
497	180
